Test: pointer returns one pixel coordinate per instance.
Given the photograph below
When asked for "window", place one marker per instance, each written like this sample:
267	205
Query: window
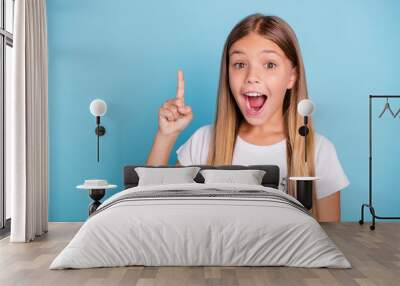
6	44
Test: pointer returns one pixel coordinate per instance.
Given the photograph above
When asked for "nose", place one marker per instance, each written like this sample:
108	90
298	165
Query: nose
252	76
252	80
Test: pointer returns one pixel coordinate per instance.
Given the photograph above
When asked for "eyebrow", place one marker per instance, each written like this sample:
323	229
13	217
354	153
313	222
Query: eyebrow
263	51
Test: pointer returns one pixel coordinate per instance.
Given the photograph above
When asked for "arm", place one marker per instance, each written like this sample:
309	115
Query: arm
328	208
161	149
173	117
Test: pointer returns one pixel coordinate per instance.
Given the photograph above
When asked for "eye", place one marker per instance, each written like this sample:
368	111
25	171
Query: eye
238	65
270	65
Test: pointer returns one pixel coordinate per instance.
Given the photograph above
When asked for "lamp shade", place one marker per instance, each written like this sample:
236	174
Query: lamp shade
98	107
305	107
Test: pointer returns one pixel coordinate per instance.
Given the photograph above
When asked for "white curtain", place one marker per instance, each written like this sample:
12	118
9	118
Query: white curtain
27	124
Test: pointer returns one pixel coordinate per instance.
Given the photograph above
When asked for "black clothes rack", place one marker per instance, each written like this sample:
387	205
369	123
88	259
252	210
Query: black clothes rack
369	205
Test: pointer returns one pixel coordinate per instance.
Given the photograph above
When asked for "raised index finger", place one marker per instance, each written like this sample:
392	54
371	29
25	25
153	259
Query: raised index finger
181	86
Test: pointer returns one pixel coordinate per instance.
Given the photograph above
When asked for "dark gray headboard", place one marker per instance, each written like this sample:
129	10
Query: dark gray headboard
270	179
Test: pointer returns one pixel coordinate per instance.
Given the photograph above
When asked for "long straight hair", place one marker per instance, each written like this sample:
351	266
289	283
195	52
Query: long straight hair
229	117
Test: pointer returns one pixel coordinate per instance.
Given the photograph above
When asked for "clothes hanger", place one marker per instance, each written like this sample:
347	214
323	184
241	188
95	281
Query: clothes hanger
387	107
398	111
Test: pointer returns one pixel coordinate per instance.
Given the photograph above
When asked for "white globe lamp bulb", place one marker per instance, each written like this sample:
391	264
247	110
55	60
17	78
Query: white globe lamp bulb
305	107
98	107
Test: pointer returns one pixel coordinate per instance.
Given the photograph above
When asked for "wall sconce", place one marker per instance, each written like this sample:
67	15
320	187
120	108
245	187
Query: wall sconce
304	185
98	108
305	108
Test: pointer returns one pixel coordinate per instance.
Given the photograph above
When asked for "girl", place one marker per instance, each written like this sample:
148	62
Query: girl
262	79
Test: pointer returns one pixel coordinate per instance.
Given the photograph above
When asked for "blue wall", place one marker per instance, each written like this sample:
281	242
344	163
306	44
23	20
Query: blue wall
127	53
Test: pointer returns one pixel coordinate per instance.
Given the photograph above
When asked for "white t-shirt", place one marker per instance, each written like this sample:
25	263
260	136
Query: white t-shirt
327	166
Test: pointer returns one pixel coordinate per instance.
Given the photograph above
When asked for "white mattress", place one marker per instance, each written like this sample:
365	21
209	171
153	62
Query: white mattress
183	231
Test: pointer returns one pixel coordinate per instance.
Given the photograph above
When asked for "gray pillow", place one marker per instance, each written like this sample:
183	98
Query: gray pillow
249	177
162	176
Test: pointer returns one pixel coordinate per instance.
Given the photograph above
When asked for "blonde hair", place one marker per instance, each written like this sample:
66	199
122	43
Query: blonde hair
228	115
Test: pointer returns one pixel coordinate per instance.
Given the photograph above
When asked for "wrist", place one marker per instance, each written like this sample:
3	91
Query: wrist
171	137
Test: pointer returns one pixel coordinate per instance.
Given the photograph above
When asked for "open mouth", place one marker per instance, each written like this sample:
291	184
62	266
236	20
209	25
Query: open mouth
255	102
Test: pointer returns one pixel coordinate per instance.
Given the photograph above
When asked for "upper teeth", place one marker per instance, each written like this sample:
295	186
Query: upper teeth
253	93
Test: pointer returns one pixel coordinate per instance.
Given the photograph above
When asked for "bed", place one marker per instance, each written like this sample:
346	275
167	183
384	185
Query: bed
201	224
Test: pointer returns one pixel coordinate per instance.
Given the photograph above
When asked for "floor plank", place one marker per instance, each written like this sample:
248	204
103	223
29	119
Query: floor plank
374	255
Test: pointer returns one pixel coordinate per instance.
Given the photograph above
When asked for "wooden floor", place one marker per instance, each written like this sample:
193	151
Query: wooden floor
374	255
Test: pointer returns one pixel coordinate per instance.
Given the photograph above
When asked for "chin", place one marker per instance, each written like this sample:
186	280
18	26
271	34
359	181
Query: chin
257	121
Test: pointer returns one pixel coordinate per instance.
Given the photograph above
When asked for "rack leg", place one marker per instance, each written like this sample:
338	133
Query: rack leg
374	216
372	210
361	221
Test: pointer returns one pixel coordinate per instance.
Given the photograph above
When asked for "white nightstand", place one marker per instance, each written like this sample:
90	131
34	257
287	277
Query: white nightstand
97	189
